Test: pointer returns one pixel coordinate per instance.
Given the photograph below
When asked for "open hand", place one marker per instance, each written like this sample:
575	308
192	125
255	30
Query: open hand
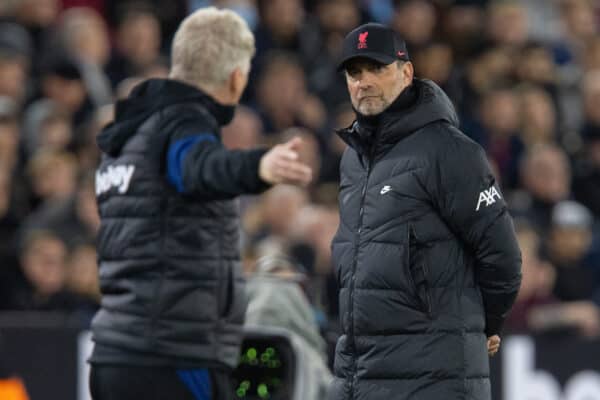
281	164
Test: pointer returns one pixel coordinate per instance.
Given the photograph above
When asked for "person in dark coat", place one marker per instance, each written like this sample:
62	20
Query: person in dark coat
425	254
173	301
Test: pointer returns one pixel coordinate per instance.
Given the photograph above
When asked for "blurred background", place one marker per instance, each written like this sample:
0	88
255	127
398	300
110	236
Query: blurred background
524	77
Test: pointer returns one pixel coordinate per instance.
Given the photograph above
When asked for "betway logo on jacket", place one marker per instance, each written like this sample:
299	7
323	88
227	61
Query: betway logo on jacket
115	176
487	197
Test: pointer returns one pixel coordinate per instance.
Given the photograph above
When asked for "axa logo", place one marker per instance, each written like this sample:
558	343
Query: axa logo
385	189
488	197
115	176
362	40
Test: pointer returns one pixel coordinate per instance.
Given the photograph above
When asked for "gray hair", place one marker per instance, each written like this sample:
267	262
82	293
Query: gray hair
209	45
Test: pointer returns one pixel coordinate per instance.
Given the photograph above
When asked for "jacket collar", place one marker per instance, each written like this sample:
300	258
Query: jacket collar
418	105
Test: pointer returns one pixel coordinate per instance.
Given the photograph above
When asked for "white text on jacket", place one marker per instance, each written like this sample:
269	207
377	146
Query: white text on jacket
487	197
118	176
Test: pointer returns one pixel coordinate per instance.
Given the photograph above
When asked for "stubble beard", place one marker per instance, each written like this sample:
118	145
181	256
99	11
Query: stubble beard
372	106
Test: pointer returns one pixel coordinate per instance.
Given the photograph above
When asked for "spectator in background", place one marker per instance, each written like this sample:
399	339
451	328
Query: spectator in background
571	52
276	212
84	34
313	229
53	177
545	177
13	204
283	97
75	219
586	180
435	60
536	67
9	134
507	24
63	83
46	126
569	242
85	37
88	153
245	130
590	88
463	26
334	146
138	42
14	69
580	26
500	117
9	225
43	259
487	68
537	310
37	17
539	121
332	21
275	298
82	273
537	283
591	60
415	21
280	27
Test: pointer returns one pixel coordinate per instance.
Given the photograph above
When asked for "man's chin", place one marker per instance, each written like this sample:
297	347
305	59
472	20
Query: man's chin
368	107
370	111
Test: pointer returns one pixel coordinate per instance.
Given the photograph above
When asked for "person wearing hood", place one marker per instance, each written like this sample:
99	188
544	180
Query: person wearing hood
425	255
173	303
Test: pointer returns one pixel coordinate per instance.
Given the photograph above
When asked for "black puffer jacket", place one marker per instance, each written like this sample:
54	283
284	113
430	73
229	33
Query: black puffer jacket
425	256
170	275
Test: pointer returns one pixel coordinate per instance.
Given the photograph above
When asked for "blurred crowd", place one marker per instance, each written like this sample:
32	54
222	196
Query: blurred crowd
524	77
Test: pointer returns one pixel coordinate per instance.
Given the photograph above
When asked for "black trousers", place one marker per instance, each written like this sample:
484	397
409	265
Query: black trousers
113	382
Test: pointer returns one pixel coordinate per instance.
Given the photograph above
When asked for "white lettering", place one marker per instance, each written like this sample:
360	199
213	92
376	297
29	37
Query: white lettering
127	174
523	382
118	176
488	196
584	385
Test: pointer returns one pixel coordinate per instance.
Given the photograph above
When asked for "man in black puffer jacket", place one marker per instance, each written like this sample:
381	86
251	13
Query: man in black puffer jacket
173	299
425	255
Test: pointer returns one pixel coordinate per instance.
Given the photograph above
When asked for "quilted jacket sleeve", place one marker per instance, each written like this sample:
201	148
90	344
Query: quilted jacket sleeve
473	206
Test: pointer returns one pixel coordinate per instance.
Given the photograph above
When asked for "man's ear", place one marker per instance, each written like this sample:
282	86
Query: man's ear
237	83
408	72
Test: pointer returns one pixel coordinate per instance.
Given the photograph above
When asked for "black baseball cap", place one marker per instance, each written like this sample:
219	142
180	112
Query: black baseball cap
373	41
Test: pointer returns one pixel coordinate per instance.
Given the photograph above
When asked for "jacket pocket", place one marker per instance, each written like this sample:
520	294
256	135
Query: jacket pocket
418	272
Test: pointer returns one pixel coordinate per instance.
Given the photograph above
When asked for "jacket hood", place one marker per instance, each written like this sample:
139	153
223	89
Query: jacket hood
146	99
431	105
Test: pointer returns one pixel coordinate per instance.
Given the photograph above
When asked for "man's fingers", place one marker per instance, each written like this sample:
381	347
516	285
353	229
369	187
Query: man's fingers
287	154
493	344
293	171
293	144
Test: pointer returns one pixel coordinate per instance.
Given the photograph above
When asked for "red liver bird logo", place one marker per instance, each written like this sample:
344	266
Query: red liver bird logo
362	40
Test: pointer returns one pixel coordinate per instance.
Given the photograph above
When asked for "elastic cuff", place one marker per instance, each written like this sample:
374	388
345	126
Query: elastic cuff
254	156
493	325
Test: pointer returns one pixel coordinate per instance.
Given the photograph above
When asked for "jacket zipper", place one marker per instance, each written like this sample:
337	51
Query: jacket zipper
353	277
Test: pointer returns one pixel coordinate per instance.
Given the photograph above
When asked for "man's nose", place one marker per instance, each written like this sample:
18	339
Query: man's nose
365	81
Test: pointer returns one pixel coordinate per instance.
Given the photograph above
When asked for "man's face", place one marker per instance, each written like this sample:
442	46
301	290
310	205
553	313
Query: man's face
374	86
